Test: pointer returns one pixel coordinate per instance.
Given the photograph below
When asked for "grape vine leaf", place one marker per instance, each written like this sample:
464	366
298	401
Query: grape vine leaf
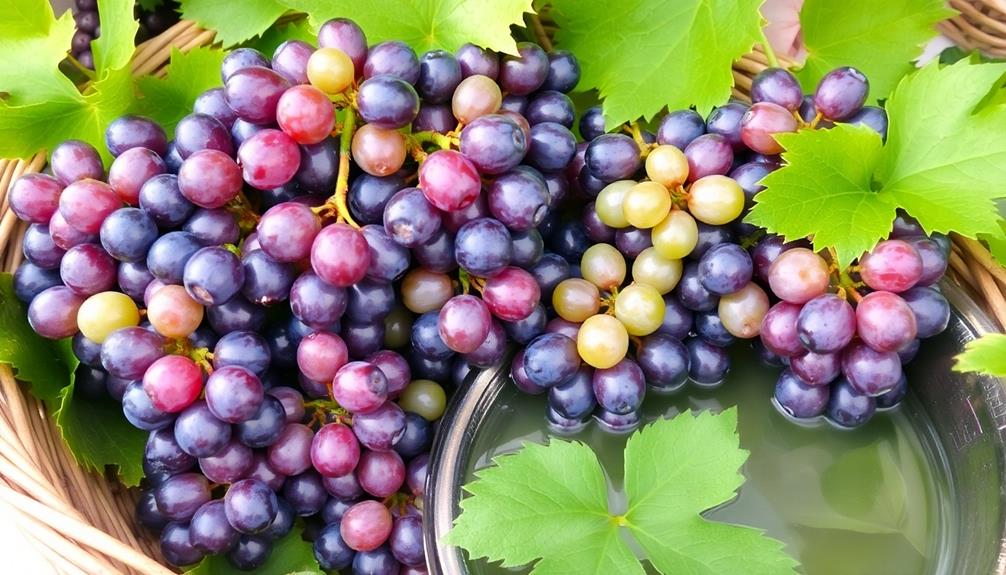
548	504
45	364
233	21
296	30
167	100
32	49
429	24
944	163
997	243
644	55
879	38
113	49
986	354
291	555
24	17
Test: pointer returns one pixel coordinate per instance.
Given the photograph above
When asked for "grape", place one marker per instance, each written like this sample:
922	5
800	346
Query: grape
305	493
140	412
519	199
234	394
360	387
87	269
290	454
667	166
592	123
679	128
285	516
826	324
570	241
797	399
35	197
885	322
269	159
239	59
548	272
602	341
173	313
664	361
603	266
347	36
199	132
406	541
318	167
209	178
676	235
620	389
86	203
847	407
387	101
614	423
237	314
254	92
31	280
551	359
425	398
574	399
213	103
209	531
464	323
612	157
417	437
764	254
524	330
550	106
424	291
492	348
250	506
492	143
439	75
426	338
707	364
287	231
250	553
340	255
708	155
742	312
893	265
267	281
841	93
380	430
930	308
394	58
893	398
778	330
715	200
380	473
181	495
576	299
511	295
128	132
128	352
652	269
330	550
778	86
263	428
691	293
677	320
475	96
71	161
434	118
320	355
40	249
709	327
646	204
519	375
378	151
449	180
176	545
934	260
726	121
410	219
229	464
527	248
477	61
710	236
871	117
483	247
725	269
366	525
798	275
173	383
762	122
161	199
869	371
65	236
596	230
816	368
305	114
104	313
640	308
199	433
213	275
293	402
523	74
127	234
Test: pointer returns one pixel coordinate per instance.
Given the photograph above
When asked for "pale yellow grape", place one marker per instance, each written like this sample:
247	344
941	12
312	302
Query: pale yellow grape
715	200
105	312
602	341
654	270
603	265
742	311
330	70
476	96
667	166
676	236
646	204
576	299
425	398
640	308
608	204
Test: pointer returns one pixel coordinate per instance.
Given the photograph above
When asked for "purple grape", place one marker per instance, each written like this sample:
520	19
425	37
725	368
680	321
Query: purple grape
235	315
406	541
410	219
202	132
551	359
816	368
147	513
778	86
209	531
387	102
368	195
127	234
563	72
75	160
213	103
523	74
518	199
253	93
87	269
931	310
847	407
726	121
181	495
263	428
477	61
548	272
680	128
213	275
523	331
290	60
527	248
552	146
417	436
331	551
250	506
612	157
632	241
39	248
140	412
128	132
434	118
162	200
168	255
591	124
267	282
551	106
318	167
437	253
664	361
677	321
574	399
483	246
239	59
213	227
128	352
347	36
691	293
31	280
892	398
826	324
724	269
380	430
163	454
934	260
708	237
709	154
620	389
797	399
709	327
229	464
380	473
707	363
841	93
250	553
570	241
305	493
439	75
493	143
284	520
393	58
199	433
617	423
868	371
176	546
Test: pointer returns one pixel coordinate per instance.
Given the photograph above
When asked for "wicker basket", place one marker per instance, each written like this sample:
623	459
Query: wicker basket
83	523
981	25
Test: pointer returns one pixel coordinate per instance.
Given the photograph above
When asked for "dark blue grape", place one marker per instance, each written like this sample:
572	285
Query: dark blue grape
611	157
209	530
664	361
388	259
617	423
563	72
305	493
163	454
872	117
691	293
847	407
632	241
147	513
483	247
202	132
592	123
552	146
893	398
620	389
518	199
707	363
779	86
548	272
199	433
237	314
394	58
316	302
213	227
406	540
387	102
494	143
162	200
168	255
213	275
524	330
551	359
678	319
551	106
726	121
133	279
267	281
126	132
40	249
931	310
369	194
439	75
331	551
410	219
263	428
437	253
363	338
319	166
31	280
213	102
140	412
282	524
426	337
570	241
176	547
250	553
574	399
795	398
380	561
417	436
434	118
250	505
242	348
520	75
427	368
725	269
679	128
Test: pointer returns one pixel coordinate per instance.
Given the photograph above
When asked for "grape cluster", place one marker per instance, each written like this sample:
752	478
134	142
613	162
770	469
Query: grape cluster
156	20
88	28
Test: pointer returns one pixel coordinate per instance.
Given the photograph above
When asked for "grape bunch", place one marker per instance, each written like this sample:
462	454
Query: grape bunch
88	28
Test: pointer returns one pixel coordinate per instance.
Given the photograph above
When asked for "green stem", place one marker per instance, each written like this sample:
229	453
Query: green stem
342	181
81	68
767	46
442	141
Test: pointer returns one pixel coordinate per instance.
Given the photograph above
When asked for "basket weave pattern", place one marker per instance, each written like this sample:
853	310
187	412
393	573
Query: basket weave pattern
83	523
981	25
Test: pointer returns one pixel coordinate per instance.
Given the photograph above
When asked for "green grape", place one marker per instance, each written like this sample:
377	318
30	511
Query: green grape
330	70
424	397
667	166
105	312
576	299
742	311
604	266
602	341
654	270
676	236
646	204
640	308
715	200
608	204
397	328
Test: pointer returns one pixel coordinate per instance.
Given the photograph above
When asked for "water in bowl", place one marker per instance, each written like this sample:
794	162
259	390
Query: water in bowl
861	502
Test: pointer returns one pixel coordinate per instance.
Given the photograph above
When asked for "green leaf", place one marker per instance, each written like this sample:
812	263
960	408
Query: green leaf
233	21
276	35
986	354
29	68
290	555
548	505
43	363
25	18
879	38
944	163
645	55
428	24
997	243
167	100
114	47
677	469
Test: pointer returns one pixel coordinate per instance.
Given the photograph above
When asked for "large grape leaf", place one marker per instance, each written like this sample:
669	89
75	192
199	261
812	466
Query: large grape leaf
879	38
986	354
234	21
167	100
944	163
428	24
32	48
642	55
114	47
548	505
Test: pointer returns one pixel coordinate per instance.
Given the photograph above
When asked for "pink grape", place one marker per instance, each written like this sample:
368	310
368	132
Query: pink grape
53	313
291	452
464	323
209	179
269	159
894	266
816	368
869	371
778	330
366	525
798	275
335	450
762	122
86	203
449	180
512	294
320	355
35	197
306	114
131	170
287	231
173	382
885	322
360	387
380	473
340	255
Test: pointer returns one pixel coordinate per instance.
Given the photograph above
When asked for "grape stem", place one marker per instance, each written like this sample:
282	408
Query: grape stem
767	46
81	68
465	280
539	32
342	180
242	211
442	141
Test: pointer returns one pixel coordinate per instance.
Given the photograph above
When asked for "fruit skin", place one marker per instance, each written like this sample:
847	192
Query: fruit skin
602	341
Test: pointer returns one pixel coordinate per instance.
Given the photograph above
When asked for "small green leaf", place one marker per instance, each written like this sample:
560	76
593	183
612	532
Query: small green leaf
167	100
879	38
276	35
114	47
986	354
29	68
645	55
43	363
428	24
290	555
233	21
